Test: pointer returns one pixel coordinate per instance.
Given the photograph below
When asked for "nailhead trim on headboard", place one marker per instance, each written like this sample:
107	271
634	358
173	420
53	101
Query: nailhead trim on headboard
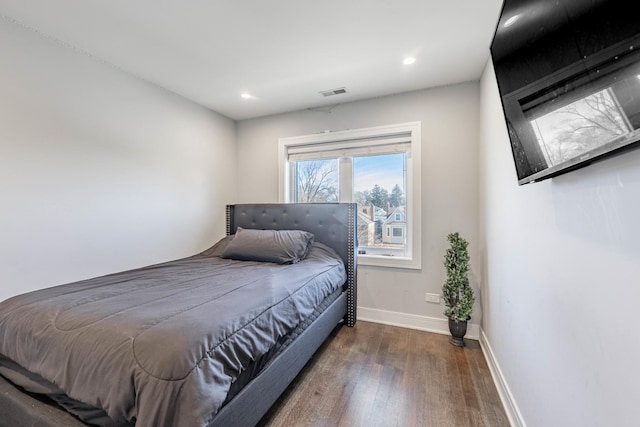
351	268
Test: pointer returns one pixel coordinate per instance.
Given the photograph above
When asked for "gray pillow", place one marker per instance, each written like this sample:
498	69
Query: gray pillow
279	246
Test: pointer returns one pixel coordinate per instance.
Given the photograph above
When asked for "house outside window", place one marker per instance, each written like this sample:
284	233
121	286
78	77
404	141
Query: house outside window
377	168
394	227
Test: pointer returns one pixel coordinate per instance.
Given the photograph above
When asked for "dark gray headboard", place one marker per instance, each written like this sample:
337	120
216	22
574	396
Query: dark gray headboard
333	224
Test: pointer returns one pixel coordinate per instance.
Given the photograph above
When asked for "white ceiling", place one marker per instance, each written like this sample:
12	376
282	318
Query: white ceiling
283	52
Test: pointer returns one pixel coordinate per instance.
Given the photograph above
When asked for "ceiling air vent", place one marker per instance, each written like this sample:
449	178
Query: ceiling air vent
331	92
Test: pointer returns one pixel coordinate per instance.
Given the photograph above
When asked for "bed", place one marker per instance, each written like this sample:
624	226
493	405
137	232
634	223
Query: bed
155	358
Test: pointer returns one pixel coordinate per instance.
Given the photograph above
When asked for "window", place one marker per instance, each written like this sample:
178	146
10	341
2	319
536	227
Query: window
377	168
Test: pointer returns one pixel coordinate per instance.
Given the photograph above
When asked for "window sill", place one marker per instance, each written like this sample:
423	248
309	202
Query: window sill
389	261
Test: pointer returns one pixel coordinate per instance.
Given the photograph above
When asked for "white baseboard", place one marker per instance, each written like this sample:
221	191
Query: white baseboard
509	403
413	321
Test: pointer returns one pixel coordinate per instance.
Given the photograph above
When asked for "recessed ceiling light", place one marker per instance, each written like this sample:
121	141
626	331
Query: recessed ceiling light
408	61
511	21
246	95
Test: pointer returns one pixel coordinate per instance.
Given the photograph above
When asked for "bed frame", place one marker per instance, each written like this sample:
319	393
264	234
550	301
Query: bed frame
332	224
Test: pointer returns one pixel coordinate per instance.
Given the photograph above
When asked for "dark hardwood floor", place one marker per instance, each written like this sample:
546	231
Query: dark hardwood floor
377	375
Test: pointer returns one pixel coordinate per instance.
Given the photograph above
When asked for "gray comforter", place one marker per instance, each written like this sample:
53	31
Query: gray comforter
163	344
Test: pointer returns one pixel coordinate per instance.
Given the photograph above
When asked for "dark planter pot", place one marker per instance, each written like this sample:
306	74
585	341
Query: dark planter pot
458	329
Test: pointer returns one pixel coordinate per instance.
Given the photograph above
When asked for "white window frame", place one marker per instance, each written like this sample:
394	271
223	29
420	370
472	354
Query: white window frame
413	184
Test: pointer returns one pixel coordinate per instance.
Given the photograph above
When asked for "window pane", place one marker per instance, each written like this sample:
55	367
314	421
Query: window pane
379	190
316	181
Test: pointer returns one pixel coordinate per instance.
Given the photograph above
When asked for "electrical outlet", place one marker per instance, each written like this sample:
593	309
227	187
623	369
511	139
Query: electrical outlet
434	298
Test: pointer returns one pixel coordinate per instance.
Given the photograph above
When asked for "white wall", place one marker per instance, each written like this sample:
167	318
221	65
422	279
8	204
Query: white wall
99	171
561	287
450	121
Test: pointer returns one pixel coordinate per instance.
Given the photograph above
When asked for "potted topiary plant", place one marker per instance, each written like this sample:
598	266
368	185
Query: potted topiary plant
456	293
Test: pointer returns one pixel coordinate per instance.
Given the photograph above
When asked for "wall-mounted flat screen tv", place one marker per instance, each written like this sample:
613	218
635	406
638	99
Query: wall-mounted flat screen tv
568	72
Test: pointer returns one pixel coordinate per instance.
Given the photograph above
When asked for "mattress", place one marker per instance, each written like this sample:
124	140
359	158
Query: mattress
163	345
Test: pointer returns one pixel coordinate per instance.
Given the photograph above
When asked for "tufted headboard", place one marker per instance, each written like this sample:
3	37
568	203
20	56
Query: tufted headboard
333	224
